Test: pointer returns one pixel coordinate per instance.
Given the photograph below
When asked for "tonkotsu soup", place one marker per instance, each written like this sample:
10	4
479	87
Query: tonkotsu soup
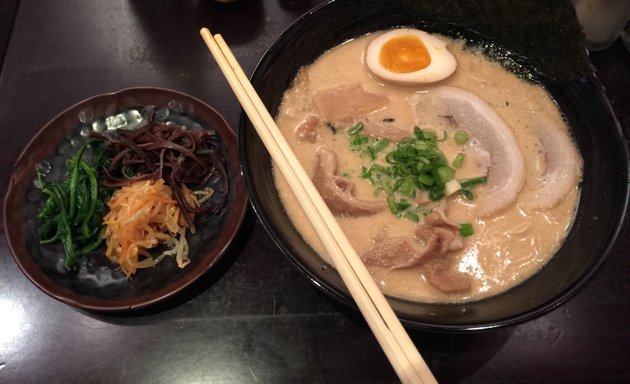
450	190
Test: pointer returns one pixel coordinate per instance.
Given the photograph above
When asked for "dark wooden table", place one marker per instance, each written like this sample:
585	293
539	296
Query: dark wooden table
255	319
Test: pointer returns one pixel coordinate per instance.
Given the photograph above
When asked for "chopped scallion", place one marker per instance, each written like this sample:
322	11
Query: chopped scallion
458	160
391	204
425	179
436	193
356	129
416	165
445	174
429	134
468	183
411	216
466	194
359	140
466	229
381	144
461	137
407	186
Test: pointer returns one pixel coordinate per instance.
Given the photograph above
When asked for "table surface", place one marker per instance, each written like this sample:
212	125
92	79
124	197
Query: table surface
255	319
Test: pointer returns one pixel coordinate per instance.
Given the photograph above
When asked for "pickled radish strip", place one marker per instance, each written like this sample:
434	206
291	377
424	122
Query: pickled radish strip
143	215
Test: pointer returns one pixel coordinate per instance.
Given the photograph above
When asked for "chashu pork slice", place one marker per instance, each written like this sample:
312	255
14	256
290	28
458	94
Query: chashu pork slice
563	168
438	266
337	191
343	103
506	174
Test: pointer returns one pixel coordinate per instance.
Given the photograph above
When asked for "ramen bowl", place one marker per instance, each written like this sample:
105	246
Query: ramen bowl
557	61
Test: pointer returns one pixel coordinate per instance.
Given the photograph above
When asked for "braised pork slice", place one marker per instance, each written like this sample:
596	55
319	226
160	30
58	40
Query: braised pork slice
440	270
385	130
399	252
341	104
488	131
562	167
306	129
337	191
437	221
442	275
440	236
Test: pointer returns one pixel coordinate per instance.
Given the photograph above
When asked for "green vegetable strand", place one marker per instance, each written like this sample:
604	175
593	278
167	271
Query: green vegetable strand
74	180
73	211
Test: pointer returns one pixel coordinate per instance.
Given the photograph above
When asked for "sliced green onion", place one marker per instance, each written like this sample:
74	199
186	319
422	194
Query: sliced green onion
366	172
458	160
436	192
391	204
468	183
387	186
359	140
402	204
425	179
429	134
371	152
461	137
407	186
451	187
466	194
445	174
411	216
466	229
415	165
356	129
381	144
417	133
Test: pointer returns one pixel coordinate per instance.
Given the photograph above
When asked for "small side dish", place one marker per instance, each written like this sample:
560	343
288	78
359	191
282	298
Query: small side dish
157	180
144	177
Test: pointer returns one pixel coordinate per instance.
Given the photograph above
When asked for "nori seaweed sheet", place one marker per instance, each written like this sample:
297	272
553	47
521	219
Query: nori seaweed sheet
545	34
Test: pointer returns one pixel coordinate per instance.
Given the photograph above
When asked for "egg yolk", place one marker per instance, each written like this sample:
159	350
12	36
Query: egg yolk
404	54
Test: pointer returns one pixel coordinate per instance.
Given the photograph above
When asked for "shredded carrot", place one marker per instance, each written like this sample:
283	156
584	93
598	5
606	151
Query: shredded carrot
143	215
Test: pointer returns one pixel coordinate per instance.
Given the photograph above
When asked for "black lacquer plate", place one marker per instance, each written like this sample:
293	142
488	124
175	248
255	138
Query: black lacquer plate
96	283
545	47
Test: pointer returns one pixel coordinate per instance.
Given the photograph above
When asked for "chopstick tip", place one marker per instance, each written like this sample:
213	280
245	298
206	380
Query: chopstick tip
205	32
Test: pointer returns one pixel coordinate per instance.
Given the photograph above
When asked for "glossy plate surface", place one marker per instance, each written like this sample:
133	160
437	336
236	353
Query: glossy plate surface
97	284
557	60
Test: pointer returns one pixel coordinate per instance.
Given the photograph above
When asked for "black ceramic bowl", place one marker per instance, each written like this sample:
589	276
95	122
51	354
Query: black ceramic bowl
528	43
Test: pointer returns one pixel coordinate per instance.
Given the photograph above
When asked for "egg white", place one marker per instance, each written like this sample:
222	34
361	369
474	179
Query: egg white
442	65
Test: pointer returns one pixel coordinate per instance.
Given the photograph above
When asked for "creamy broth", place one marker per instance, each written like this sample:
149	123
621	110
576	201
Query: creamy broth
507	247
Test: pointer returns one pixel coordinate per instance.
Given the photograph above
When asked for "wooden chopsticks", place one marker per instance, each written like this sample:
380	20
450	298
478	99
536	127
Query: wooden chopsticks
392	337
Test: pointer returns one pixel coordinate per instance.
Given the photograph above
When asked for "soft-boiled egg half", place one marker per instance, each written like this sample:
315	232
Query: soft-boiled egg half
409	57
